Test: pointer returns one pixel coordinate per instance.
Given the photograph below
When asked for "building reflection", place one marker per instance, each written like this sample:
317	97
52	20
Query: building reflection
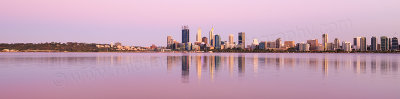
198	67
325	66
241	64
220	64
185	68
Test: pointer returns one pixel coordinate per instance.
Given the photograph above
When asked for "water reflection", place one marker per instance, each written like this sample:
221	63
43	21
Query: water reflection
225	63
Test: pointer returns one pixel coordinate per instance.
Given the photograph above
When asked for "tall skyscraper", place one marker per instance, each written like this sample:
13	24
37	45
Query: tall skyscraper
198	36
395	43
230	38
217	42
278	43
336	44
185	34
170	41
325	41
390	43
242	40
384	43
356	43
211	36
363	44
374	44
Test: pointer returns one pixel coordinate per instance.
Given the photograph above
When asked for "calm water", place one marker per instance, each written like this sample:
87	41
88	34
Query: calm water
198	76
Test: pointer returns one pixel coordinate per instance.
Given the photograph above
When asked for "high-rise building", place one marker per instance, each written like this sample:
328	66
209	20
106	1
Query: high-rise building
313	44
356	43
211	37
374	44
330	47
242	40
198	36
363	44
231	39
395	43
390	43
346	46
325	41
304	47
170	42
217	42
185	34
384	43
336	44
289	44
262	45
278	43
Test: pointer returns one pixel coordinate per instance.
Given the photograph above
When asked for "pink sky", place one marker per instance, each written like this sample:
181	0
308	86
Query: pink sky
146	22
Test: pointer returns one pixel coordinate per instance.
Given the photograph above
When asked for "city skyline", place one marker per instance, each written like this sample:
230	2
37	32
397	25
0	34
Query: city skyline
126	21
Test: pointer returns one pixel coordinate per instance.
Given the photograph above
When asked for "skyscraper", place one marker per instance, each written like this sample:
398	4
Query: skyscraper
346	46
198	36
313	44
336	44
242	40
170	41
217	42
363	44
278	43
325	41
395	44
356	43
185	34
211	36
384	43
230	38
374	45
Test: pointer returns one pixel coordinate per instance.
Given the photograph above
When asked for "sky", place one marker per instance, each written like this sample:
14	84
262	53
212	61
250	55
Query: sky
146	22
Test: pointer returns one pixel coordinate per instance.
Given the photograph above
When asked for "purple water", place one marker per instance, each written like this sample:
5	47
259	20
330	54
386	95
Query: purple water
199	76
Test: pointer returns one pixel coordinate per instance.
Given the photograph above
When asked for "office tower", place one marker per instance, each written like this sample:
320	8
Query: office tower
356	43
395	44
313	44
336	44
363	44
217	42
278	43
198	36
271	45
346	46
289	44
185	34
262	45
304	47
325	41
374	44
242	40
384	43
170	41
205	40
230	38
211	37
390	43
330	47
